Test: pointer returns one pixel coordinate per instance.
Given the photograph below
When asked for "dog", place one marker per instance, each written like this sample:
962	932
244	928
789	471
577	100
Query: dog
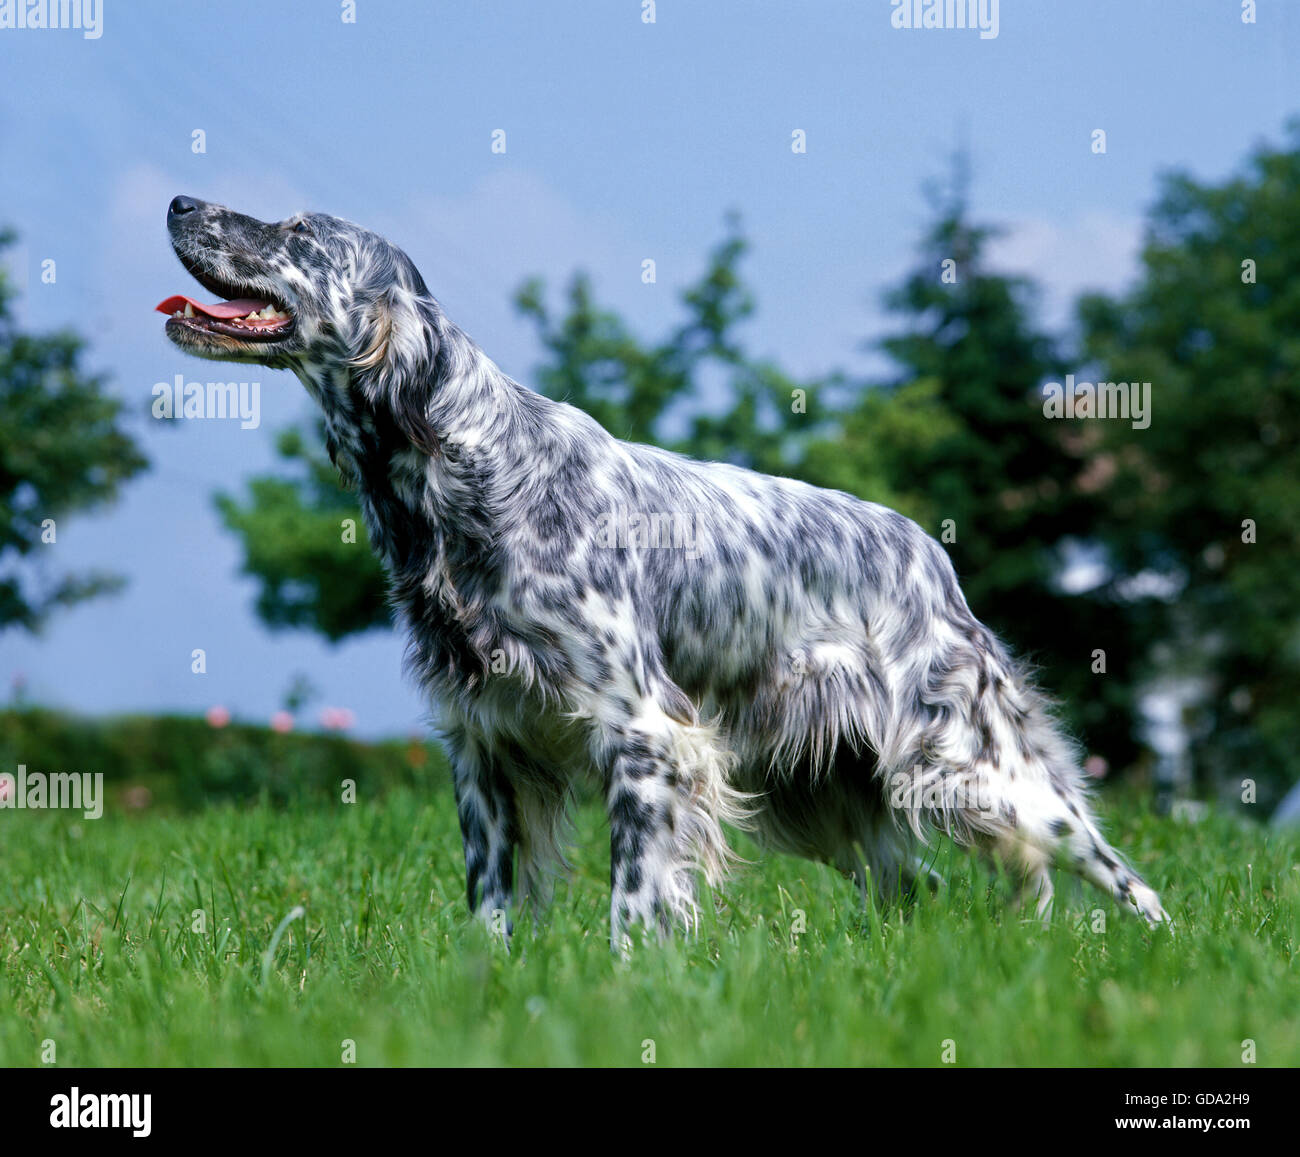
707	644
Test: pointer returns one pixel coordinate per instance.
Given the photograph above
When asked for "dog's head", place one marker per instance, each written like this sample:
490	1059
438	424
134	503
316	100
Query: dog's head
309	289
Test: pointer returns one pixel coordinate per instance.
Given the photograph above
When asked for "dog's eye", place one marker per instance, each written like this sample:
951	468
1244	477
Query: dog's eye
302	227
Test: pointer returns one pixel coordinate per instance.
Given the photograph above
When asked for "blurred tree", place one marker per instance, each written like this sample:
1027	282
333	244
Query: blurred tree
659	392
305	543
61	451
1204	504
958	440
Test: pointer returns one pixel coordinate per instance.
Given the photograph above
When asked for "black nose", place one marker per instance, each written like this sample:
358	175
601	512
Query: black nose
180	206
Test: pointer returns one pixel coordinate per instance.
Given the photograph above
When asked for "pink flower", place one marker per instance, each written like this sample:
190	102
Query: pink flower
137	798
1096	767
282	721
218	716
337	718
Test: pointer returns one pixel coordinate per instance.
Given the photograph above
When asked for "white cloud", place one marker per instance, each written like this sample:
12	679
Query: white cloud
1094	251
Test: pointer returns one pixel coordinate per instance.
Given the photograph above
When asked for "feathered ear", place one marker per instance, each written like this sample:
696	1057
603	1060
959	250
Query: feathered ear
395	369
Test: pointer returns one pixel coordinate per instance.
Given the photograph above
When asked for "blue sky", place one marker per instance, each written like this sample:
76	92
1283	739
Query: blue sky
624	141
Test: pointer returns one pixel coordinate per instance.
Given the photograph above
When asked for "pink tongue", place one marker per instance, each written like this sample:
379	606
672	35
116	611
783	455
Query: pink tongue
222	310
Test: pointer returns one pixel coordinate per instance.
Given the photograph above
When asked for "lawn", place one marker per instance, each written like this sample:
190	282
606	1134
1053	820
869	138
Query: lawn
142	939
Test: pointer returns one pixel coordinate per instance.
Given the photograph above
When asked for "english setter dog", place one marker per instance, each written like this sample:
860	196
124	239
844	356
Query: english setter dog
709	644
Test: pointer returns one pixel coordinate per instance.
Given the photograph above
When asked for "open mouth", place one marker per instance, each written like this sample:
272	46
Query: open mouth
246	316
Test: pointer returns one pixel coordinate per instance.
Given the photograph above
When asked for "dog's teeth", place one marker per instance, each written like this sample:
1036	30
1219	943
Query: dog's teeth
252	317
268	312
189	310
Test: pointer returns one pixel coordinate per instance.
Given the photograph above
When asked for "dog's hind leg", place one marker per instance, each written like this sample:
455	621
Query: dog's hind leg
542	806
1035	825
972	748
1029	824
884	862
838	818
1003	778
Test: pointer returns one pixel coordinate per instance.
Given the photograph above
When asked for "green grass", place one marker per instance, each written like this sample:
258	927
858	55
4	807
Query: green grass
98	955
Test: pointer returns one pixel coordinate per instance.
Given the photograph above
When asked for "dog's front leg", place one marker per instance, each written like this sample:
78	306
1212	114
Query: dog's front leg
485	803
666	794
650	881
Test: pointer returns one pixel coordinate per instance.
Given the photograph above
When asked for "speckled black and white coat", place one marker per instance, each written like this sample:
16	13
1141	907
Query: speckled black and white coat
705	643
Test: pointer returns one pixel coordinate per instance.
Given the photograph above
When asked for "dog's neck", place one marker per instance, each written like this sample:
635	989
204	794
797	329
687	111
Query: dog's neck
427	458
443	504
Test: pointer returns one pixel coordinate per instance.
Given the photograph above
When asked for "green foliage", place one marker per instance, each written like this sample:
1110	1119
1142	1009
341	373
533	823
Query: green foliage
1223	356
99	952
62	451
957	440
644	391
305	542
184	763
